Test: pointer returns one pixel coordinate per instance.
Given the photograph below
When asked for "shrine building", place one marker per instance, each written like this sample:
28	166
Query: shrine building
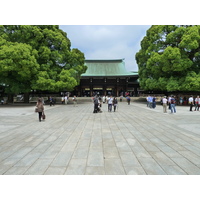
107	77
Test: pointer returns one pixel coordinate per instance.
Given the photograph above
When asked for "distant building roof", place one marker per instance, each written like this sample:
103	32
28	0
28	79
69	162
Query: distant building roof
106	68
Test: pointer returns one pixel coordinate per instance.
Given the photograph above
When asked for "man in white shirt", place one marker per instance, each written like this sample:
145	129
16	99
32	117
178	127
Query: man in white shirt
110	103
191	102
164	101
150	100
65	99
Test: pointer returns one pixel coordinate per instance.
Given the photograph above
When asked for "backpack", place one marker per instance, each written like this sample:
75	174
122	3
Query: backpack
95	101
115	101
172	101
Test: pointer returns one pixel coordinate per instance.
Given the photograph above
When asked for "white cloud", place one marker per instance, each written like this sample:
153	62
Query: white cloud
107	42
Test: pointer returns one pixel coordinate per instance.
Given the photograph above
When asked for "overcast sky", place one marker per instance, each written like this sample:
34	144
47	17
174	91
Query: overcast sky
107	42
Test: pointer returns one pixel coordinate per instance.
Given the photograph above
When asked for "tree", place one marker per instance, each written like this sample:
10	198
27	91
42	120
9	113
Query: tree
57	67
169	58
18	66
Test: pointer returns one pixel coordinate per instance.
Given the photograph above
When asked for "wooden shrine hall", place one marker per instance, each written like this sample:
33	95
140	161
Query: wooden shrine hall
107	77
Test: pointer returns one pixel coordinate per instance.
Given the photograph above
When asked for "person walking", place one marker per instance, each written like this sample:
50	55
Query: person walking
104	99
164	102
96	103
115	103
110	103
2	101
66	99
181	100
128	100
150	99
40	108
51	101
169	100
63	99
172	104
100	101
197	102
74	100
43	100
191	102
154	101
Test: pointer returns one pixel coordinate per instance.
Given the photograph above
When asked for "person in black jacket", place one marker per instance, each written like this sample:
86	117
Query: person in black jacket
115	103
128	100
96	103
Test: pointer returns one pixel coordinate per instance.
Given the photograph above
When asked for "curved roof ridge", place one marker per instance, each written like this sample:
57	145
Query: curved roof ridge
101	60
109	67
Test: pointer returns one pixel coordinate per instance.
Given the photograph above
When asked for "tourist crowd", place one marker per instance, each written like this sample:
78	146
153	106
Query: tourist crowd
172	101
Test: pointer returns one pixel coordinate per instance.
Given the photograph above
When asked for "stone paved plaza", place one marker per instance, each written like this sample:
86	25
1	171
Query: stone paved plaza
74	141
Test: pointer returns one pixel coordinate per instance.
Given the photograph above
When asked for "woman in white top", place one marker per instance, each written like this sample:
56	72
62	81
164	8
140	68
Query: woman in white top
164	101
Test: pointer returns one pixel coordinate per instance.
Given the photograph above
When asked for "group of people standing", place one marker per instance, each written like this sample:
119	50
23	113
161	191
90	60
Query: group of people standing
111	101
194	102
171	103
151	101
65	99
106	98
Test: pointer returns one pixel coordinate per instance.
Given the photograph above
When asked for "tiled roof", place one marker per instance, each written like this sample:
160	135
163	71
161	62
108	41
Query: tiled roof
106	68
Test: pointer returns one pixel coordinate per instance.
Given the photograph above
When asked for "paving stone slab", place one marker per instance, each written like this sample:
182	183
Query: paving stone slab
76	167
95	170
151	167
130	170
73	140
114	167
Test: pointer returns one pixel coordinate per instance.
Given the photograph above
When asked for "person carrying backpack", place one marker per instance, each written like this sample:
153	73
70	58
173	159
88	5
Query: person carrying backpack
173	104
128	100
96	103
115	103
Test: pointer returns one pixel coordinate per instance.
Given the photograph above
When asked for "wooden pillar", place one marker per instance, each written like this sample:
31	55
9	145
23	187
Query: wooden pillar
117	91
117	87
79	91
91	90
104	87
104	90
91	87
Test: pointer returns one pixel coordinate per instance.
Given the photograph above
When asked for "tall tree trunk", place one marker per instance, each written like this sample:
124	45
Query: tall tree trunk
26	97
10	98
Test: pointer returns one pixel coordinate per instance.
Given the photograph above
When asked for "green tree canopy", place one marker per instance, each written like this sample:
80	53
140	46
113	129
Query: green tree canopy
38	57
18	66
169	58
